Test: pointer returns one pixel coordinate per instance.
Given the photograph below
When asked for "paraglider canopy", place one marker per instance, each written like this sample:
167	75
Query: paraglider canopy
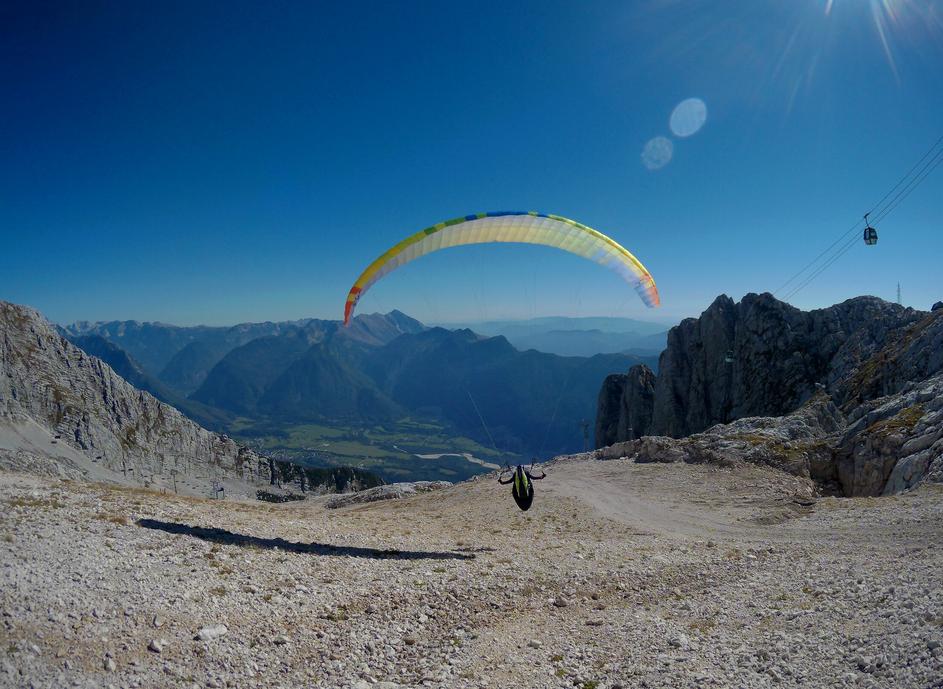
510	226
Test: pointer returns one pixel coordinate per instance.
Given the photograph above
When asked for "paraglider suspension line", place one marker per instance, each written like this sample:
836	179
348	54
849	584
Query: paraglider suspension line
553	416
482	419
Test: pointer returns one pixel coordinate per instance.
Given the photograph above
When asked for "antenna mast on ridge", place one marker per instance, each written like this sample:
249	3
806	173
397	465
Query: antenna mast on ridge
898	293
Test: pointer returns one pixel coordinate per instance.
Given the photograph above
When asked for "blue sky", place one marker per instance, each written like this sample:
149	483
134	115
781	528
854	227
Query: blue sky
225	162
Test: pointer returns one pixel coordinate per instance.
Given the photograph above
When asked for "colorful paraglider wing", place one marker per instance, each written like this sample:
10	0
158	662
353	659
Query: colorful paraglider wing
517	227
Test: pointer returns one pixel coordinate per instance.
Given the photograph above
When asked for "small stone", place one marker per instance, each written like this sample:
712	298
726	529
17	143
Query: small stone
560	602
410	641
157	622
533	643
712	544
156	645
933	644
212	632
280	640
109	665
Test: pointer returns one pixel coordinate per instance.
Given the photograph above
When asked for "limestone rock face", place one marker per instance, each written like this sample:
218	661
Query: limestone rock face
761	376
895	441
46	383
797	443
763	357
608	408
907	355
625	406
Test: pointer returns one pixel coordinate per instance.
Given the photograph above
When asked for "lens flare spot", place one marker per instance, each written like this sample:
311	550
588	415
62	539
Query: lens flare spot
688	117
657	153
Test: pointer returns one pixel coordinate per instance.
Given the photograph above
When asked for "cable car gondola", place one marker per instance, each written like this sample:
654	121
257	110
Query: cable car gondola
870	234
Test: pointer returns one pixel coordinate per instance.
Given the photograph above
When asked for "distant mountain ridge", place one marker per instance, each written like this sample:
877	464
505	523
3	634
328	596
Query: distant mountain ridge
383	368
607	324
528	400
182	356
576	336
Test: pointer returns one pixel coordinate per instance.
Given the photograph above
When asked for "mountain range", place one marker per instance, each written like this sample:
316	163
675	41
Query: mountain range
576	336
381	369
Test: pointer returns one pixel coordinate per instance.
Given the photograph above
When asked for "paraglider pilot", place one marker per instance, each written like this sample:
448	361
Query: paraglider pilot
523	488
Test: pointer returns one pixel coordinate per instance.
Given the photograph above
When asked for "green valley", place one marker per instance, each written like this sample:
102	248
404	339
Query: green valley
403	450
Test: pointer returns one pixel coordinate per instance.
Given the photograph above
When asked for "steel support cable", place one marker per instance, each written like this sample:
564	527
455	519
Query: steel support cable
883	212
848	246
827	250
917	180
925	172
909	172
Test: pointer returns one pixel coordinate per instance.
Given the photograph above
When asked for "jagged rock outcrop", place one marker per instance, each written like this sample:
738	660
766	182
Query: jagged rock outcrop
48	383
907	355
877	364
894	441
797	443
625	406
762	356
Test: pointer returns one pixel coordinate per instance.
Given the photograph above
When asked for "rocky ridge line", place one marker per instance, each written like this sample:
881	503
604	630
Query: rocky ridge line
740	382
100	422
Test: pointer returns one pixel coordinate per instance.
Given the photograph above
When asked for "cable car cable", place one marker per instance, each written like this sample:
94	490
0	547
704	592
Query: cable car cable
825	266
904	193
913	184
910	181
915	165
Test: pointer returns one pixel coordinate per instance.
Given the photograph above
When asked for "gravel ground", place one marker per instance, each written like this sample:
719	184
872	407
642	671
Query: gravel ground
621	575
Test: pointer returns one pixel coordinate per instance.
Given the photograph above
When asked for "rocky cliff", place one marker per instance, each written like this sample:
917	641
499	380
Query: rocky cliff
625	406
48	383
875	363
763	357
65	412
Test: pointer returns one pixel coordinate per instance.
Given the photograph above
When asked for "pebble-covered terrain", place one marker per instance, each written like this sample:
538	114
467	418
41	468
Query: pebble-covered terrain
621	575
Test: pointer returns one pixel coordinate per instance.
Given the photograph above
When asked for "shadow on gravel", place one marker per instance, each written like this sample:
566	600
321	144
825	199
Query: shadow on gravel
230	538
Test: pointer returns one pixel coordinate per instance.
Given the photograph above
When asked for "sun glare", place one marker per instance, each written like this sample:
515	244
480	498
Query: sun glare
888	25
897	21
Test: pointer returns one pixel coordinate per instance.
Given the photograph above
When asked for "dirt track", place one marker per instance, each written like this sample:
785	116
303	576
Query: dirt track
621	574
